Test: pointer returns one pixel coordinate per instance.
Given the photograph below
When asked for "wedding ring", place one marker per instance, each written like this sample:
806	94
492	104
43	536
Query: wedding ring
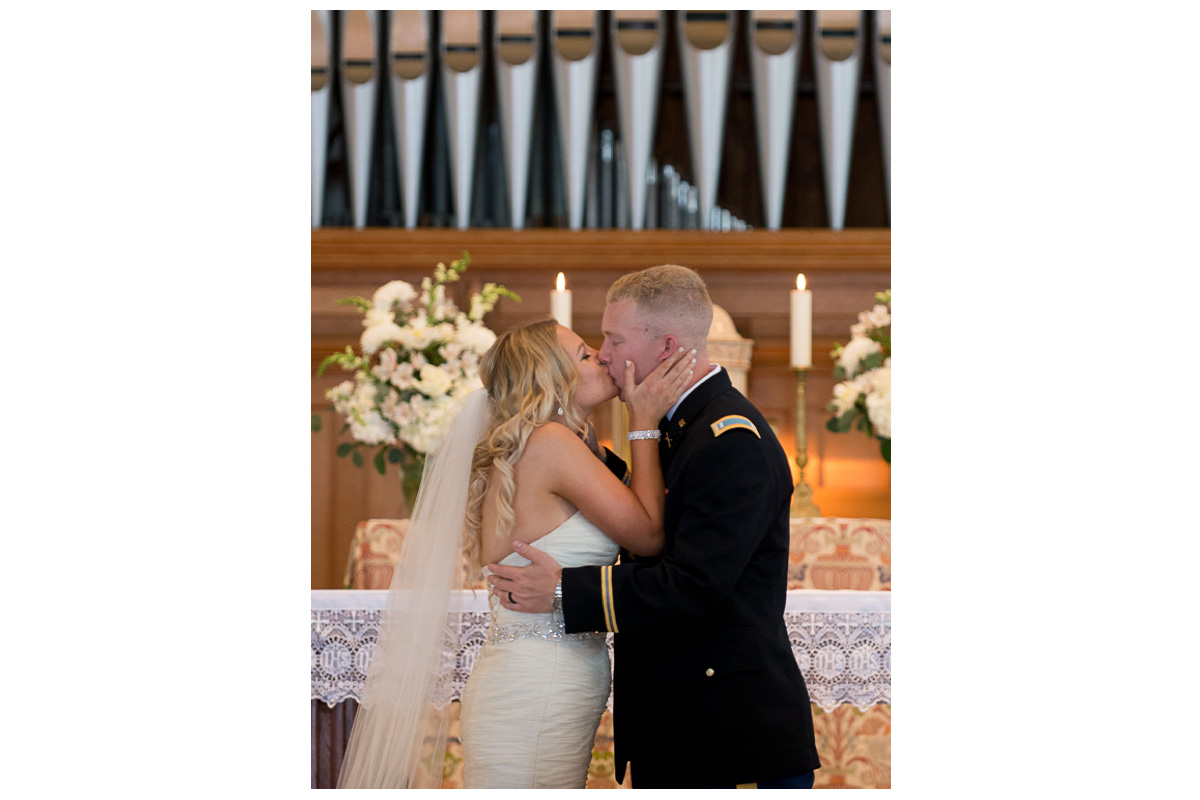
510	599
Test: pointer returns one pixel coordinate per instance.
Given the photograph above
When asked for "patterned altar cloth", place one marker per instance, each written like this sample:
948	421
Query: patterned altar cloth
842	641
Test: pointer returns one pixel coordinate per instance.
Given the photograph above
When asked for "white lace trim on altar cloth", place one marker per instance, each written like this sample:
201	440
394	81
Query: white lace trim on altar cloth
845	656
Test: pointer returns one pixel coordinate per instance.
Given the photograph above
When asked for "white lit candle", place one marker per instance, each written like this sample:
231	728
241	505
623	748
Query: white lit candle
801	324
560	303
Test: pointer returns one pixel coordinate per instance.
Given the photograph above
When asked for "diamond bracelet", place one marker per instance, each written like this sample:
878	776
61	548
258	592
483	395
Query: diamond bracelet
632	435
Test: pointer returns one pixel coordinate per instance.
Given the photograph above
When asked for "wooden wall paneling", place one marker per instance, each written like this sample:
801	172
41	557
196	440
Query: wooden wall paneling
339	254
343	494
349	506
324	446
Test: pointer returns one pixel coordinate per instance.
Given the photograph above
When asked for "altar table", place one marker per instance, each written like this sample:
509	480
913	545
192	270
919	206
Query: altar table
841	640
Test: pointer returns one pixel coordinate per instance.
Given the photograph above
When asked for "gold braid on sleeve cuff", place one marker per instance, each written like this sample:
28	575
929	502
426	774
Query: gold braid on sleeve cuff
606	598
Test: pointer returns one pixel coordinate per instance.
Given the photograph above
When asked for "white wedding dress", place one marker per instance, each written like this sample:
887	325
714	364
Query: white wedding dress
533	702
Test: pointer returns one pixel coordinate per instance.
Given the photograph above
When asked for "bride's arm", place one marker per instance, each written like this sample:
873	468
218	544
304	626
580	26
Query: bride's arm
633	516
647	403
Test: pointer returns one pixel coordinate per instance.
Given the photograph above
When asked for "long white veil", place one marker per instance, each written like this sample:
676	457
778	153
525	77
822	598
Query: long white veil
399	735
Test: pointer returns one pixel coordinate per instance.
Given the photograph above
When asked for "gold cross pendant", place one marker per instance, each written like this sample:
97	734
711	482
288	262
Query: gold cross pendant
667	437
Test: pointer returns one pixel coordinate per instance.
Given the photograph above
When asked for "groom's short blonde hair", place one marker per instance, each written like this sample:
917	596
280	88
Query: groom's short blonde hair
672	299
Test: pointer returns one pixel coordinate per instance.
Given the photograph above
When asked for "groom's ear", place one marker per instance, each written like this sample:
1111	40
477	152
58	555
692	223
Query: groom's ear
670	345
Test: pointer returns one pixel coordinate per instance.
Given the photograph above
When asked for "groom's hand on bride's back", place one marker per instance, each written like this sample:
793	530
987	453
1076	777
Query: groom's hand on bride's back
531	587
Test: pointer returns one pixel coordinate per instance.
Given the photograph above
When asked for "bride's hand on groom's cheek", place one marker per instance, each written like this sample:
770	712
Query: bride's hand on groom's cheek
655	395
529	589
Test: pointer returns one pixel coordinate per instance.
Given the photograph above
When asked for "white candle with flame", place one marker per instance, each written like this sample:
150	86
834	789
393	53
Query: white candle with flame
560	303
801	324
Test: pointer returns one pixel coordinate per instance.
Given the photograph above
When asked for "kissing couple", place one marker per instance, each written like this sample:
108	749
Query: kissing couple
682	556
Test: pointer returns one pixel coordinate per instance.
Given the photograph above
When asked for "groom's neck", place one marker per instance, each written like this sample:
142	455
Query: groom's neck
700	370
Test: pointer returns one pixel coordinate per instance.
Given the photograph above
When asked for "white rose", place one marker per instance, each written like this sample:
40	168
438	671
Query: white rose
845	395
394	292
881	377
855	351
879	401
474	336
468	385
879	411
434	424
377	316
433	381
364	396
376	336
373	429
420	441
418	334
426	424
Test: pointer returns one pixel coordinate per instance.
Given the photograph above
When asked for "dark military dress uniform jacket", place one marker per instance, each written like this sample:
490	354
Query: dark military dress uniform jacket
706	690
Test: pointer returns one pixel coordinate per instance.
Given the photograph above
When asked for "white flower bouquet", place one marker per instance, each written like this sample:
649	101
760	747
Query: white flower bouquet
863	369
420	358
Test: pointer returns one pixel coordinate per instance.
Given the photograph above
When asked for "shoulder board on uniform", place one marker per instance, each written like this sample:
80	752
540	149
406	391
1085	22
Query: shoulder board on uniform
734	422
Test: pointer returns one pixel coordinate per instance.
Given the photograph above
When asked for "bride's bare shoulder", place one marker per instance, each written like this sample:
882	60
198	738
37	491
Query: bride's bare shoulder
555	441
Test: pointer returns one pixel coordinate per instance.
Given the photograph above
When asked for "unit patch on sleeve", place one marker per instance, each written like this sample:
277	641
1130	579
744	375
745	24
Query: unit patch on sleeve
733	422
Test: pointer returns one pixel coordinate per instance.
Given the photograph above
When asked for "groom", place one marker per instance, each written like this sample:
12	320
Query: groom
706	690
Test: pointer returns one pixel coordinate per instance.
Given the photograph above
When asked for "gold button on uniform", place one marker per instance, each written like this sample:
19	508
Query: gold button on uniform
708	672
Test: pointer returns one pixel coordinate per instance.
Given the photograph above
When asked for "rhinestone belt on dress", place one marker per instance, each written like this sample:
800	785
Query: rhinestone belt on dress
537	629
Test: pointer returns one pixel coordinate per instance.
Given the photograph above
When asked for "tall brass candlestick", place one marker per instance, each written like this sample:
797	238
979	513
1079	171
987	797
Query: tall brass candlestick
802	504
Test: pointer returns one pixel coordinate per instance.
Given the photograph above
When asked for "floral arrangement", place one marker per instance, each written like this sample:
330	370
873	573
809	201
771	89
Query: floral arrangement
863	369
420	358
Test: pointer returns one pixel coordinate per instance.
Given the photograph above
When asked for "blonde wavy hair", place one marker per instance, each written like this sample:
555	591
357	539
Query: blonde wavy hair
529	376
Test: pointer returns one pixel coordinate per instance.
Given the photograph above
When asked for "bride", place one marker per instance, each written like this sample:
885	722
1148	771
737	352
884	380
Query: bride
519	463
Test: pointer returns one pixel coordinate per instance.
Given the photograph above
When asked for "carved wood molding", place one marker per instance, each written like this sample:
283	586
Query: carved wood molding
766	354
